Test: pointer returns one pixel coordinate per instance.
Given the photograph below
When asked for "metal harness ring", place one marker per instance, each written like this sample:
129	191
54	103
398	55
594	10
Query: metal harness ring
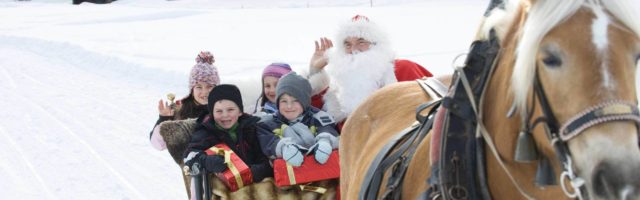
576	182
565	175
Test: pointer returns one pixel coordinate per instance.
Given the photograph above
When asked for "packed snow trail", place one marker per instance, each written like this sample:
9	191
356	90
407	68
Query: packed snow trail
74	126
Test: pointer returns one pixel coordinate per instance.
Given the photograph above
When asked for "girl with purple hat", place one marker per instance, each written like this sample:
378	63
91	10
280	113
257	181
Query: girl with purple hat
270	76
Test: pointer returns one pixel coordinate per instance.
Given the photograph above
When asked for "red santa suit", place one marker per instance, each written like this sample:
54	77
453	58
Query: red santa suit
349	79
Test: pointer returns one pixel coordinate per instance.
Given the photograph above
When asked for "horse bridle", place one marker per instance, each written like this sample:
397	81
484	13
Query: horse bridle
559	136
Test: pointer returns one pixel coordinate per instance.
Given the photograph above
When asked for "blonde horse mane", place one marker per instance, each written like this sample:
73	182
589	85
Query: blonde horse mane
543	16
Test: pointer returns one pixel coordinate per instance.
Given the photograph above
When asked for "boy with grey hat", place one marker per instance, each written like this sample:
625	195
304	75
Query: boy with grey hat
297	127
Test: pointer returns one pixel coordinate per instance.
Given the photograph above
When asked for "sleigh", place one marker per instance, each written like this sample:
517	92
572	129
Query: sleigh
177	135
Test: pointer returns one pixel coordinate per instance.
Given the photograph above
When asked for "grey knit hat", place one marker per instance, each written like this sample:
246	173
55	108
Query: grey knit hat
296	86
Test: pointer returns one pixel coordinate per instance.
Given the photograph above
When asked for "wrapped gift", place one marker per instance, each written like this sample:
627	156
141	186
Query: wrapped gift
237	174
309	171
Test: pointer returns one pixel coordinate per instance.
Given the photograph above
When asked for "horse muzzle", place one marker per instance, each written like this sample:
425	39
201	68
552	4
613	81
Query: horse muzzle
616	180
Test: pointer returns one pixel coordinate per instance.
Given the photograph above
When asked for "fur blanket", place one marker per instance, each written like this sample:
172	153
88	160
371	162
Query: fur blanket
177	135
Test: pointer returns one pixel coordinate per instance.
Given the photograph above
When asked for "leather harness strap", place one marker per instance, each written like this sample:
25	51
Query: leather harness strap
369	185
434	87
406	140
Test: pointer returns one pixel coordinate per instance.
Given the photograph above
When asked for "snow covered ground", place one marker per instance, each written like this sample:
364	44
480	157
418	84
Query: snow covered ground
81	83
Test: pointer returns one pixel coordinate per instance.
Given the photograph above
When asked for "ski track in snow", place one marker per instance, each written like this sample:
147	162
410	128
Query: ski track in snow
8	78
23	157
84	142
54	121
62	114
70	110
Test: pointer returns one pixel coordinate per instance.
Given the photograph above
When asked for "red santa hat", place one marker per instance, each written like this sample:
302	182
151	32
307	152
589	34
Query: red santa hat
360	26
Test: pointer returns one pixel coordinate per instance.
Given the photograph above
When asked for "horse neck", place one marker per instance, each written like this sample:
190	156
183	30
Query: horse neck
497	103
498	97
503	129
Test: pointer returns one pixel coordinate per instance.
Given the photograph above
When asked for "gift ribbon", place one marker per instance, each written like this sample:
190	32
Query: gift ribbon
292	176
315	189
230	165
292	181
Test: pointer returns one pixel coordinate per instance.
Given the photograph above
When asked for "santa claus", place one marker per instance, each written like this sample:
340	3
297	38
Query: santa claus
361	63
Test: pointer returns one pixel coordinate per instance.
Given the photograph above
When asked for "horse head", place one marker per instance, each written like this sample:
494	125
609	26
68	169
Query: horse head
572	68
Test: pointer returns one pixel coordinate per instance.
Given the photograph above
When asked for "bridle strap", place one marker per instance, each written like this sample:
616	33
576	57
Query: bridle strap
604	112
614	110
551	120
561	148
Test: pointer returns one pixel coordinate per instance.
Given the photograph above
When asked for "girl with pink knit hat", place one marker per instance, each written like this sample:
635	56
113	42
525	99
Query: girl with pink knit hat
202	79
270	76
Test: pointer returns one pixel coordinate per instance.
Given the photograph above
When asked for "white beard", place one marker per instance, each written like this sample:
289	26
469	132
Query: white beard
356	76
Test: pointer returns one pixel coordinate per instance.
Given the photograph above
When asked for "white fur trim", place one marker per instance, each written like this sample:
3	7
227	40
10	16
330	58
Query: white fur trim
356	76
332	106
319	81
365	29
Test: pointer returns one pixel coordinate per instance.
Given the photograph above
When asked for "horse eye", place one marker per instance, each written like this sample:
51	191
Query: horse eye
552	61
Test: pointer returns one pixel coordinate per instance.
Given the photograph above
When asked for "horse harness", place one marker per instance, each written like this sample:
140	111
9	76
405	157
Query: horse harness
470	84
459	171
457	174
397	153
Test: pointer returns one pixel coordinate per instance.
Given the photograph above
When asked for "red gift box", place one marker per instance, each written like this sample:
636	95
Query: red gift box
309	171
237	174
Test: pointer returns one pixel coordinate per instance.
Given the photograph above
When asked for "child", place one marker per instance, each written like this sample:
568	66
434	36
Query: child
270	76
204	76
226	123
297	127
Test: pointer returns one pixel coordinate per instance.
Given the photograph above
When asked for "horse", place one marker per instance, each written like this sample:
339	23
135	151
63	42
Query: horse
564	76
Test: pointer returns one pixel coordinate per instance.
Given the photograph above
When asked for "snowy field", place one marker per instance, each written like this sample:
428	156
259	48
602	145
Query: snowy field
81	83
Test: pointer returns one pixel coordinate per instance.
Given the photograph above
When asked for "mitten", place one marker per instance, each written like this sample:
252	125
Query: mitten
214	163
194	157
303	134
289	132
300	128
323	150
292	155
